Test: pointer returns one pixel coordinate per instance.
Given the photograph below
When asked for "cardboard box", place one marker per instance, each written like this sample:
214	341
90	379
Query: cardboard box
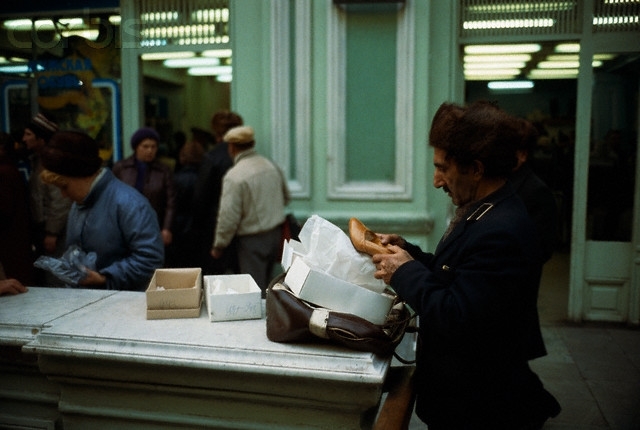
324	290
291	249
232	297
174	293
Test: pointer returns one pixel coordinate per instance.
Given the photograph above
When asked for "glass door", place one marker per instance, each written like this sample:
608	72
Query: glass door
612	190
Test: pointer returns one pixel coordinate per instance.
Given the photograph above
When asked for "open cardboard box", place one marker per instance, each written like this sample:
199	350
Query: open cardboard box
291	249
324	290
174	293
232	297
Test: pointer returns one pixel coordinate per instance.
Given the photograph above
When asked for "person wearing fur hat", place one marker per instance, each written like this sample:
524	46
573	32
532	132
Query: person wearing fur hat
107	217
252	208
49	208
153	179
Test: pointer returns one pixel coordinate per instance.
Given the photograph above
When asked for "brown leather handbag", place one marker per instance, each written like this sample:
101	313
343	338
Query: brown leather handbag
290	319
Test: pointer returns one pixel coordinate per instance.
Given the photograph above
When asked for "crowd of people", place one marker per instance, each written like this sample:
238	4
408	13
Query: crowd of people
139	214
223	209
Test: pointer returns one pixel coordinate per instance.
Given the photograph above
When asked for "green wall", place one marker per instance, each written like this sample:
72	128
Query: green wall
370	49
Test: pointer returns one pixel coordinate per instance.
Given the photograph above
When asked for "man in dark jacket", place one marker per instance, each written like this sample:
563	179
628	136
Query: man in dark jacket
476	296
206	196
536	195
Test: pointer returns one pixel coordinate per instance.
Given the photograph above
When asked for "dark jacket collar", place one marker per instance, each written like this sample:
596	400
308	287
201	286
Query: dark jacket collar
476	211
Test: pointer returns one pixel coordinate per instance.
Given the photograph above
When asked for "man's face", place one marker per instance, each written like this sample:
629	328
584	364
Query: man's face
146	150
460	186
32	141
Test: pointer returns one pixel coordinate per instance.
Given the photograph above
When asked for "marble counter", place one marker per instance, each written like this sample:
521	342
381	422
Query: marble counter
116	368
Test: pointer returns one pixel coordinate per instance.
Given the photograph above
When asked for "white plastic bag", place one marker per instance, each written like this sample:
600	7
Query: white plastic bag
330	249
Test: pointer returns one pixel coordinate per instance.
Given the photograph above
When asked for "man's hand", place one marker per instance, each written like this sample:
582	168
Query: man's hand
391	239
167	236
387	264
216	253
12	286
93	278
50	242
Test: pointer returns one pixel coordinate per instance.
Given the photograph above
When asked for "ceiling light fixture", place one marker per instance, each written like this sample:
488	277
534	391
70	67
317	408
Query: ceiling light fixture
496	58
553	74
152	56
208	15
558	64
488	77
19	68
523	7
567	48
524	48
615	20
510	85
89	34
220	53
511	65
563	57
509	23
604	57
191	62
490	72
209	71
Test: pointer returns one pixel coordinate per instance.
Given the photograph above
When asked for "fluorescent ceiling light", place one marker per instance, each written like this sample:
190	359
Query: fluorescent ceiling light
512	65
490	72
224	78
89	34
525	48
17	24
604	57
523	7
488	77
195	31
509	23
567	48
18	68
558	64
563	57
553	74
149	56
191	62
160	16
220	53
209	71
496	58
153	42
615	20
208	15
510	85
43	24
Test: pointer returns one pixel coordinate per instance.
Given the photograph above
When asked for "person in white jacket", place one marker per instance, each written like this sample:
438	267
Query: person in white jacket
252	207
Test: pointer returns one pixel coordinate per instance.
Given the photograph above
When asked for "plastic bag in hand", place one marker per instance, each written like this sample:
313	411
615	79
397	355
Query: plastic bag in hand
71	267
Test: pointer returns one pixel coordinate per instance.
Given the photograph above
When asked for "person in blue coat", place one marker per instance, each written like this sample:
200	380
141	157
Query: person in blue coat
476	295
107	216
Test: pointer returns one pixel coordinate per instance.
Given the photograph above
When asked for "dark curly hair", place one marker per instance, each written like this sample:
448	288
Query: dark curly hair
480	131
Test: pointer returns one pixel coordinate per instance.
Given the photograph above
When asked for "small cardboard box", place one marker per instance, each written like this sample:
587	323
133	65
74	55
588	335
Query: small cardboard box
174	293
232	297
291	249
324	290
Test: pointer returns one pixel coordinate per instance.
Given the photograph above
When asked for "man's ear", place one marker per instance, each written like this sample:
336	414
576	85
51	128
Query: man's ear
478	168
